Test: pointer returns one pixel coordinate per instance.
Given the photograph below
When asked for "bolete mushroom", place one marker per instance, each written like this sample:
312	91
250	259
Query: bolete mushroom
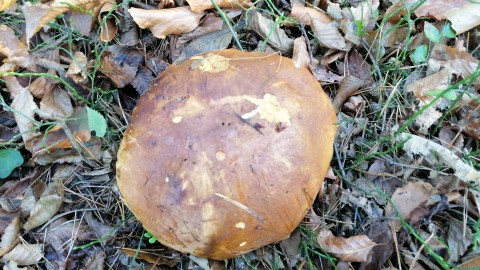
226	152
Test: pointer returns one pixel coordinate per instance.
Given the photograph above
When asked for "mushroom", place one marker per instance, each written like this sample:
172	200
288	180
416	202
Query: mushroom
226	152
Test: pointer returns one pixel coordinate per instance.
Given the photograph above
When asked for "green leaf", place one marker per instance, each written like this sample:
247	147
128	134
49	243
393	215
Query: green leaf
9	160
96	122
450	94
420	54
448	31
432	33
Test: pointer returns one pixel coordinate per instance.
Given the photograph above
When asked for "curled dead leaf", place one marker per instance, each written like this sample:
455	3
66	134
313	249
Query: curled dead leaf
78	68
270	32
25	254
9	229
410	202
23	107
166	22
307	15
353	249
15	51
201	5
329	36
47	206
108	26
300	56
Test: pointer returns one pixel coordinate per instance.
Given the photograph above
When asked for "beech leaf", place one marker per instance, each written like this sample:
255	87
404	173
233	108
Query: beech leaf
166	22
353	249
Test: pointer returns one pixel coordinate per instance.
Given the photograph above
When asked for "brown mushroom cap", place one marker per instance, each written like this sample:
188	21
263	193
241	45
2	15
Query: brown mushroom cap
226	152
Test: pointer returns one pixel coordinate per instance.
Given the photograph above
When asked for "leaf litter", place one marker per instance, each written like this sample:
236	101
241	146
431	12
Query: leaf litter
403	75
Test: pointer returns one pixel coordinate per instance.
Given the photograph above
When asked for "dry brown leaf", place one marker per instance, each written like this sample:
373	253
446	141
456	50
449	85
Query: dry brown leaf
33	12
464	18
306	15
56	138
25	254
41	86
24	108
324	75
300	56
459	61
121	66
108	27
435	8
353	249
96	262
435	152
410	202
151	257
63	234
4	4
459	239
61	6
470	122
329	36
166	22
267	28
56	104
348	86
79	68
291	248
92	151
473	263
201	5
81	22
15	51
9	229
47	206
101	230
421	89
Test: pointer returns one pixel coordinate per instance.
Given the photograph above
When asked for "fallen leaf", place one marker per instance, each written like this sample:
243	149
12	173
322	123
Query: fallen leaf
166	22
142	81
348	86
61	6
213	41
470	122
9	230
435	8
151	257
464	18
56	104
410	202
91	150
364	13
4	4
79	68
96	261
307	15
101	230
15	51
201	5
41	86
270	32
291	247
353	249
23	107
435	152
459	239
121	64
33	13
63	235
380	233
300	56
459	61
56	138
12	265
422	89
25	254
81	22
329	36
324	75
473	263
47	206
106	17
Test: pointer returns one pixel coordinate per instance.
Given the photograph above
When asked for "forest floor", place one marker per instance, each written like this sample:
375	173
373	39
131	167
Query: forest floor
403	190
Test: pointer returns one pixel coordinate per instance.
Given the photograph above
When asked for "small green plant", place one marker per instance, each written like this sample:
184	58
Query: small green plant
10	159
151	239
